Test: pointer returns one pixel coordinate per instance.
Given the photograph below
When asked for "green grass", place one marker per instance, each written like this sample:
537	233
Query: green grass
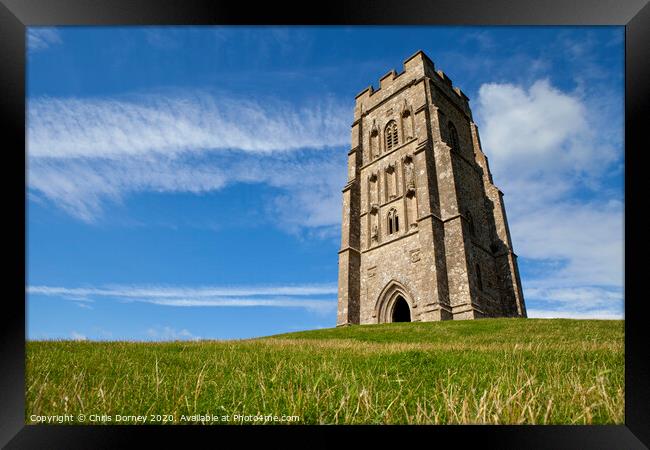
497	371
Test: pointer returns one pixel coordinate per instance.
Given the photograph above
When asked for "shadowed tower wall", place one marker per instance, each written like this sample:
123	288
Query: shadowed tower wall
424	226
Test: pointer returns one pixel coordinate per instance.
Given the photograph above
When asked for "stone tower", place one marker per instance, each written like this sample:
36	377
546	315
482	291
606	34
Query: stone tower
424	233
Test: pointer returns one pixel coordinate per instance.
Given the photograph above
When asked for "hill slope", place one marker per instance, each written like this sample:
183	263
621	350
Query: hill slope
484	371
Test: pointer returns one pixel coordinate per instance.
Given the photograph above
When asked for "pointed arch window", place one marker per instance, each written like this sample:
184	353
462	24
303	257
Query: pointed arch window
453	137
392	138
393	221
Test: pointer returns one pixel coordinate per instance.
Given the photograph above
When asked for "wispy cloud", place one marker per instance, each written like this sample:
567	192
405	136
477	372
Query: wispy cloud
41	38
85	153
586	297
564	314
77	336
180	291
169	125
314	297
587	238
83	187
167	333
587	302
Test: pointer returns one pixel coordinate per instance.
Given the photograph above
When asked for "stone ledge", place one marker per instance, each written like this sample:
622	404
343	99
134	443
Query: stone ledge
354	149
387	154
399	197
349	185
412	233
348	249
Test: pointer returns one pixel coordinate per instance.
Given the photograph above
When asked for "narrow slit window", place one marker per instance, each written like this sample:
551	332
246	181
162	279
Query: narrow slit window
393	221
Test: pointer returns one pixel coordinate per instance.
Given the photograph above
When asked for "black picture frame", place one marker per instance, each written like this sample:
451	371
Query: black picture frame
16	15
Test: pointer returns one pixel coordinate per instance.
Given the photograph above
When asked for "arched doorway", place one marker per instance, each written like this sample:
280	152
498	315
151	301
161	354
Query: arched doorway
394	304
401	310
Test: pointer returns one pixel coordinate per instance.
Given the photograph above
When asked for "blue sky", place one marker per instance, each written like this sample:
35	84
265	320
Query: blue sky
185	182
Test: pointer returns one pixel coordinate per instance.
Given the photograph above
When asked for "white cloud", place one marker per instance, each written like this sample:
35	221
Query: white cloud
564	314
576	302
588	237
319	298
170	125
167	333
584	295
182	291
77	336
41	38
84	153
82	187
540	131
549	152
278	302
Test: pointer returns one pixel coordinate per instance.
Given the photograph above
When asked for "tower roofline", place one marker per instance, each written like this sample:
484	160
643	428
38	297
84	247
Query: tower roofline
424	57
429	70
392	74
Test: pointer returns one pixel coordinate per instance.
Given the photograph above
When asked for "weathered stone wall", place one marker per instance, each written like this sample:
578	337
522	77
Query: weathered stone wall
420	212
393	261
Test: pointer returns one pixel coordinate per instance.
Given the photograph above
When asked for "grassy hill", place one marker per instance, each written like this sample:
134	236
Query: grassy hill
500	371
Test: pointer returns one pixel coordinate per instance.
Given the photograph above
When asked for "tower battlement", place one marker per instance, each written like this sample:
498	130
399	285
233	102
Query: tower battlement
414	69
424	234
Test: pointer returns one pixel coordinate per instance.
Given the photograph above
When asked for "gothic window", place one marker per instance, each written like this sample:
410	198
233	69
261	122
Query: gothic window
392	138
479	279
393	221
453	137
